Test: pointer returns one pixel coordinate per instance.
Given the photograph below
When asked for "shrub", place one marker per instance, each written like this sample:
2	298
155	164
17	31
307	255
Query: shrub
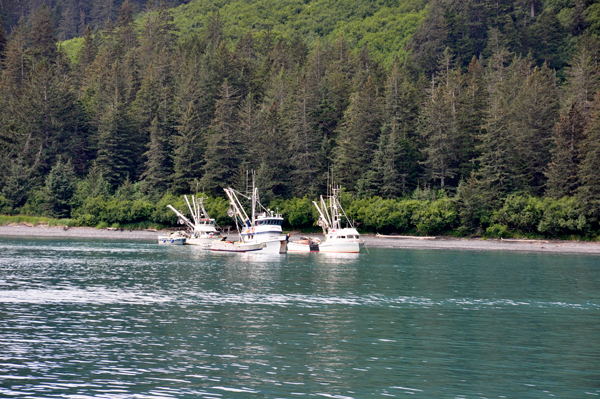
435	217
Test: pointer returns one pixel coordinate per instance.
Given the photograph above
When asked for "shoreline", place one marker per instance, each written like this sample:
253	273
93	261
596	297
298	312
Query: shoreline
371	241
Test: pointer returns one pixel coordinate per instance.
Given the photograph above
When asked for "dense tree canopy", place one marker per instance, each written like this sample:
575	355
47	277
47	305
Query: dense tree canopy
487	103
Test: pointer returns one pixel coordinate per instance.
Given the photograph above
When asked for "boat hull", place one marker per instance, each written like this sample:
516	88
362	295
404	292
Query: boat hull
201	241
171	241
340	247
226	246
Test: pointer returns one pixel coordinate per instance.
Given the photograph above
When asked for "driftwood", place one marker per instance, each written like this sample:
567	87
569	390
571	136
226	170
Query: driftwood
406	237
524	240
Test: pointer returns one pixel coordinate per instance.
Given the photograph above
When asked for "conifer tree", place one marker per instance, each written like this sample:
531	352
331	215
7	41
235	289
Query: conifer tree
473	104
567	136
3	39
187	152
59	187
272	166
588	176
89	50
306	156
15	65
534	113
223	152
115	150
397	162
583	76
43	40
17	184
439	123
156	176
358	136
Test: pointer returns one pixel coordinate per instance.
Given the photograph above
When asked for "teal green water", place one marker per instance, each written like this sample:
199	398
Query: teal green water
81	319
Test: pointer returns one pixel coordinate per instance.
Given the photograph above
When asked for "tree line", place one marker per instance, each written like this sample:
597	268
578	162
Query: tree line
475	146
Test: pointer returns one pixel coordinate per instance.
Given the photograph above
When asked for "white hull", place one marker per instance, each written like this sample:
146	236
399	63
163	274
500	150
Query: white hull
201	241
225	246
298	247
326	247
275	247
171	241
340	247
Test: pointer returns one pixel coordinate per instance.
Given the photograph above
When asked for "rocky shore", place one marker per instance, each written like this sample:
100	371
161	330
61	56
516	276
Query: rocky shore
440	243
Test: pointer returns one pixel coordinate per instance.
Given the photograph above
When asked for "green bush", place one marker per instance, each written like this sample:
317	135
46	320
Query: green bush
5	207
297	212
519	213
435	217
497	231
562	217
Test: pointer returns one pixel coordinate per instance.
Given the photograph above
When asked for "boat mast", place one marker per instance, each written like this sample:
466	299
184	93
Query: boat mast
254	194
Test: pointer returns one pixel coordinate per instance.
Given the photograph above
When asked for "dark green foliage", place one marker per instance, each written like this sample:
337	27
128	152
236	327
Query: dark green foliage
115	146
493	110
155	178
531	216
589	178
60	187
223	153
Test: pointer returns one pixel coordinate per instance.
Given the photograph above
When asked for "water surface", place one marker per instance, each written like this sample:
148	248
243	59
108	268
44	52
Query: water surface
108	319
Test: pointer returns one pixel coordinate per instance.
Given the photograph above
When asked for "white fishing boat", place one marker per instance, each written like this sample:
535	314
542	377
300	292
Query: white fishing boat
338	239
238	246
203	229
262	227
174	238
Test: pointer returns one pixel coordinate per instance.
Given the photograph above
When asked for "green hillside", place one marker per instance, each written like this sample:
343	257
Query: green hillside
385	25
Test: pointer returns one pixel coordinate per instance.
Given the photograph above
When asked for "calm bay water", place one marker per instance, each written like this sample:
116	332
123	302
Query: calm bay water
136	320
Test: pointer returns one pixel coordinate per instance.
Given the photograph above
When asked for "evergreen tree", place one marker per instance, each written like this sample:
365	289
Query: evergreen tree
59	189
88	50
588	176
187	152
562	171
473	104
17	184
306	157
155	178
398	148
223	152
43	40
439	123
115	152
358	136
534	113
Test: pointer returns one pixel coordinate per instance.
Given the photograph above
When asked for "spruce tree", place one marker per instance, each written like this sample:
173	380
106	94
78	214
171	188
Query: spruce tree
358	136
115	150
43	40
534	113
188	149
156	176
59	189
588	176
439	123
567	136
223	152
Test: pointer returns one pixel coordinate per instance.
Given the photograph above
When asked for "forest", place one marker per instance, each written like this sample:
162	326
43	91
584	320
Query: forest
439	117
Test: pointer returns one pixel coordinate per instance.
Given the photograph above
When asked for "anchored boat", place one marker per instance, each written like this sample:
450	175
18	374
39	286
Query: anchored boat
174	238
338	239
262	228
203	230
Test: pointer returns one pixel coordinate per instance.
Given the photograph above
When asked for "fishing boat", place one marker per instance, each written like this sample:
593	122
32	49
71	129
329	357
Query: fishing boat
203	229
338	239
263	227
174	238
238	246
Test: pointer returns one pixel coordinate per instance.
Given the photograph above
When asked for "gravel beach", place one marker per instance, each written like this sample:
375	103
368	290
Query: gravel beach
443	243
